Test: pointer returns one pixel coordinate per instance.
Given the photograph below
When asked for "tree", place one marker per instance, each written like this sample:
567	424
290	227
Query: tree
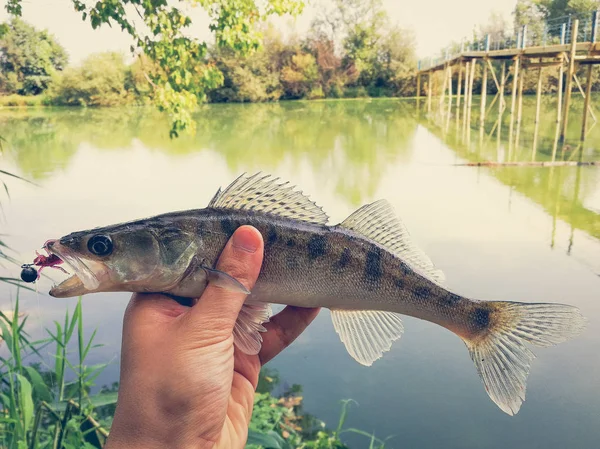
99	81
28	58
184	76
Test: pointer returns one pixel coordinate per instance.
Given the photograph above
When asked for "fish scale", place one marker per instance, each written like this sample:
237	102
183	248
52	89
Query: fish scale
366	270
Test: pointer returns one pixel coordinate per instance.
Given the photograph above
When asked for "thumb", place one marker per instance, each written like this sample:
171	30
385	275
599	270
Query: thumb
218	308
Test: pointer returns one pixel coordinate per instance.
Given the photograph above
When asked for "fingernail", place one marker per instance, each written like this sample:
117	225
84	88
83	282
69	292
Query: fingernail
245	240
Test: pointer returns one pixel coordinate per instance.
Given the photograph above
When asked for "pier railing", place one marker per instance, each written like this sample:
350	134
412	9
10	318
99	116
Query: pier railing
557	31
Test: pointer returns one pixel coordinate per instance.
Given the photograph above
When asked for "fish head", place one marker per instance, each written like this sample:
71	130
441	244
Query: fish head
131	257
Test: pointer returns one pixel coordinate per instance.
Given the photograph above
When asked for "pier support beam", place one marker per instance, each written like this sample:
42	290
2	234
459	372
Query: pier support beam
569	85
588	92
429	89
502	104
470	101
458	87
561	70
519	110
483	98
513	102
538	104
465	101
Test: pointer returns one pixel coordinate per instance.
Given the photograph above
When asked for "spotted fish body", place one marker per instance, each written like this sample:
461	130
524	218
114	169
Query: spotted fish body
366	270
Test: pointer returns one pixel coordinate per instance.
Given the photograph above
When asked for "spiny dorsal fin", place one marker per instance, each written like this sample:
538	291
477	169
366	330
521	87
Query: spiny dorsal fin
262	193
378	222
367	334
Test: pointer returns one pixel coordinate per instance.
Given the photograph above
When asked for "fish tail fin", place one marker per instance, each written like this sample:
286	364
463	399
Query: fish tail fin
497	346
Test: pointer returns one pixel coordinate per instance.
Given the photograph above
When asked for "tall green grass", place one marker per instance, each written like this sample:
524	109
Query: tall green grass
50	405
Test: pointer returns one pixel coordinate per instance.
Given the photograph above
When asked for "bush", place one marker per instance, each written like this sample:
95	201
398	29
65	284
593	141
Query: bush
99	81
22	100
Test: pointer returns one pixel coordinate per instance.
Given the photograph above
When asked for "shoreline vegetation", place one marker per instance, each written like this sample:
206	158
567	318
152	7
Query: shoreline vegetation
53	402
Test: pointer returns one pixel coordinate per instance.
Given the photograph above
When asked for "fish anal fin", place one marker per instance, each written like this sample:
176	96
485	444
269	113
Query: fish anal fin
263	193
367	334
378	222
249	325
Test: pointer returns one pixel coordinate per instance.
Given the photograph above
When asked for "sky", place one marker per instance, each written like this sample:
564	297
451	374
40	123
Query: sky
434	22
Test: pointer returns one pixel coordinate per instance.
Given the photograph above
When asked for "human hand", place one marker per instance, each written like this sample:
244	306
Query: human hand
183	383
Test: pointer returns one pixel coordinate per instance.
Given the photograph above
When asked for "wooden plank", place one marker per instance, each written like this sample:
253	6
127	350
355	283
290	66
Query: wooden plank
569	85
493	72
588	92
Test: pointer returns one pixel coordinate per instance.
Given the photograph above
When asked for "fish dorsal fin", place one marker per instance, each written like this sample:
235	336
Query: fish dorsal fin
378	222
367	334
262	193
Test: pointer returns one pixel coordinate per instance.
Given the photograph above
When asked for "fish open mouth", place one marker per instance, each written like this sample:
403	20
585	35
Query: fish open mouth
83	280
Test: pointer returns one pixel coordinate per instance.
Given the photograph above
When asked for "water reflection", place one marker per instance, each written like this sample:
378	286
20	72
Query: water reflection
563	191
358	138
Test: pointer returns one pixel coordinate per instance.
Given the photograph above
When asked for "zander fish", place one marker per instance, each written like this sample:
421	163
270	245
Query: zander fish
365	270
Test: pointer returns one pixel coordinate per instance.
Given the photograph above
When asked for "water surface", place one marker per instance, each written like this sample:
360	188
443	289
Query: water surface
508	233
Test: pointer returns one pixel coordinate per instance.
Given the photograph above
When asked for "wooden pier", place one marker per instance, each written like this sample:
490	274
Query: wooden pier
576	47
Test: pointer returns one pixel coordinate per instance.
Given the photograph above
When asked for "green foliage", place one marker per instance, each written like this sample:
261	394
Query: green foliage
28	59
99	81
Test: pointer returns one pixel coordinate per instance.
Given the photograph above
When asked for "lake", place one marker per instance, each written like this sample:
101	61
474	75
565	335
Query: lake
499	233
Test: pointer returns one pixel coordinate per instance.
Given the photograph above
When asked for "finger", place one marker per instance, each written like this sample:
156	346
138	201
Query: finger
283	329
241	258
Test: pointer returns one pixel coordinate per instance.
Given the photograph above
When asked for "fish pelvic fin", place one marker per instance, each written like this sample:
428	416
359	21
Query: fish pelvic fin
499	331
367	334
249	325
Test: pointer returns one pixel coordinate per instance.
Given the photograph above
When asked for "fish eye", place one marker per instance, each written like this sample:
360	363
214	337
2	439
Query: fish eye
100	245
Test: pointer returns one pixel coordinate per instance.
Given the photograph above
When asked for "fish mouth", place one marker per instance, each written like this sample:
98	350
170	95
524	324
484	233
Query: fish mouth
86	277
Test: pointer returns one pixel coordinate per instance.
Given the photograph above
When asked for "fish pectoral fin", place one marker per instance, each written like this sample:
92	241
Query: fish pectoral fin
367	334
249	325
378	222
223	280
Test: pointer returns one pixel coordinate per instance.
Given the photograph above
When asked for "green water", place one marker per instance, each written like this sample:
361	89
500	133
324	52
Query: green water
504	233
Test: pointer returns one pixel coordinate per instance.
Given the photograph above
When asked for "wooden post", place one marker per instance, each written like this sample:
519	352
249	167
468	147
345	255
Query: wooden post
443	95
449	112
588	93
569	85
466	89
502	105
429	89
469	106
458	86
483	95
513	103
538	104
519	110
558	105
418	87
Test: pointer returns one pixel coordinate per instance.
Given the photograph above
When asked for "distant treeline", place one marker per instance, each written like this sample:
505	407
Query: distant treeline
351	50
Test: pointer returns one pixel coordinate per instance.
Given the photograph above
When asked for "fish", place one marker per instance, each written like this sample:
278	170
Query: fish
366	270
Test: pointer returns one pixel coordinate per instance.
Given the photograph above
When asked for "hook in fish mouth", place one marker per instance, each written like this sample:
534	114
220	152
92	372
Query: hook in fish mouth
84	280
